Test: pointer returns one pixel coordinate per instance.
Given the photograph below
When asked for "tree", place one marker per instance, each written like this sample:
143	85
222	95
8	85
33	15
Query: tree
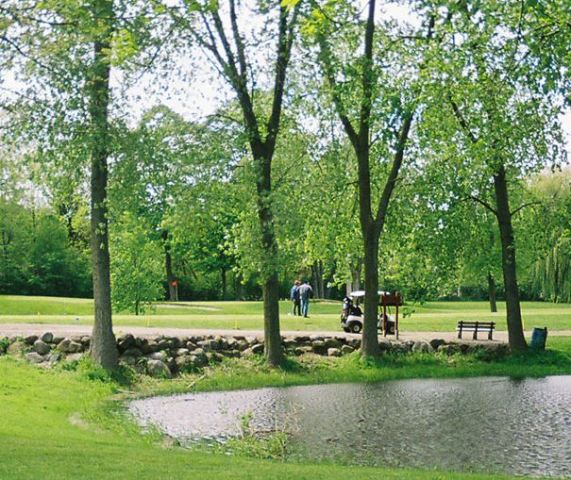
383	100
136	267
226	47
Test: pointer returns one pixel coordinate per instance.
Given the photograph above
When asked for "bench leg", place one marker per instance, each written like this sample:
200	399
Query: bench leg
490	334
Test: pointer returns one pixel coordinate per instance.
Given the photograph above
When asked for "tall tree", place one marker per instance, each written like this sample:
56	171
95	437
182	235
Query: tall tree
359	84
224	43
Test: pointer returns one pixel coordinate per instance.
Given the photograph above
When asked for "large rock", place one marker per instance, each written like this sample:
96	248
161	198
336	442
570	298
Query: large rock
449	349
161	356
346	349
422	347
333	352
41	347
133	352
34	357
318	346
332	343
69	346
257	348
30	339
125	342
17	348
74	357
47	337
158	369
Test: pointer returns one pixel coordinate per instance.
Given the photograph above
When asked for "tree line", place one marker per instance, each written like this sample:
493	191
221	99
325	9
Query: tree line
401	154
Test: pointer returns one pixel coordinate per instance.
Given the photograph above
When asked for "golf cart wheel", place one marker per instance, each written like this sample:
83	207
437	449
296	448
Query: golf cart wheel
355	327
346	329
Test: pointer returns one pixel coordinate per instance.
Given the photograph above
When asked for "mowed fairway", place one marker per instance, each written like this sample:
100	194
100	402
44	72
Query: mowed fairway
324	315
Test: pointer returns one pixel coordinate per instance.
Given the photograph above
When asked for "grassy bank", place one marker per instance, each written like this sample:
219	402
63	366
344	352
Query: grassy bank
324	315
65	424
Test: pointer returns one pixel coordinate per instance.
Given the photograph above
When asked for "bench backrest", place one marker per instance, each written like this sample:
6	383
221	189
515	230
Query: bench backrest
491	325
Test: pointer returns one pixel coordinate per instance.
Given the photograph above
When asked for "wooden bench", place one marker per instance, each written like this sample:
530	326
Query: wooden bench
476	327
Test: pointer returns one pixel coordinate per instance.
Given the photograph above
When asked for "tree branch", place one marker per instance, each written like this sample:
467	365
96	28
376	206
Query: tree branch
484	204
521	207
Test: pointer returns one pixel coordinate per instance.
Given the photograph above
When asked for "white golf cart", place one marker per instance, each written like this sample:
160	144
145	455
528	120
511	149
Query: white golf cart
352	315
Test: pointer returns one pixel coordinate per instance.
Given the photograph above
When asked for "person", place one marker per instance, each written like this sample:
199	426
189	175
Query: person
305	291
294	297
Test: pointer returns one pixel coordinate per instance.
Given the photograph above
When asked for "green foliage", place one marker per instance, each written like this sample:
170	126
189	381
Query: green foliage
136	272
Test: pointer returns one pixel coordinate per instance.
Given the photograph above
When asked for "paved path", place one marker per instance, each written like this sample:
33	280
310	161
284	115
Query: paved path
12	329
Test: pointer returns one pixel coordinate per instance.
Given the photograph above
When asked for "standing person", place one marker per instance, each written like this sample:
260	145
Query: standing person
295	298
305	291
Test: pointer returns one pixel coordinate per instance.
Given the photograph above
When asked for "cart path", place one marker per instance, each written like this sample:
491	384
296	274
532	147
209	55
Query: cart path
16	329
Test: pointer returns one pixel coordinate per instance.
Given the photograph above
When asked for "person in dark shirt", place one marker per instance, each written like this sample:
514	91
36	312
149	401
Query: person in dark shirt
295	298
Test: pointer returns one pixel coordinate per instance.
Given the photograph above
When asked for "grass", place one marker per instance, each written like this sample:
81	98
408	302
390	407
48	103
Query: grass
324	315
67	424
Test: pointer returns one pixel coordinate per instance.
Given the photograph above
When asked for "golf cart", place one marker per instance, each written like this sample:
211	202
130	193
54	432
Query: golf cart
352	315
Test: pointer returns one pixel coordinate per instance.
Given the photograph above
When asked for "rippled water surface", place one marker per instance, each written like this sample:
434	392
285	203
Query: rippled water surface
486	424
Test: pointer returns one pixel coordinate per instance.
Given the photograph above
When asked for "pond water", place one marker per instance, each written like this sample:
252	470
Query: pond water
492	424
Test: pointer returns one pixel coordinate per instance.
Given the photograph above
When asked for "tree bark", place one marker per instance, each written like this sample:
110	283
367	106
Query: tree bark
103	346
224	282
515	325
492	293
171	279
370	341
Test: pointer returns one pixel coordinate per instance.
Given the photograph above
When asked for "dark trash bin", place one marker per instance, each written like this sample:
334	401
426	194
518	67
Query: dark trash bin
538	338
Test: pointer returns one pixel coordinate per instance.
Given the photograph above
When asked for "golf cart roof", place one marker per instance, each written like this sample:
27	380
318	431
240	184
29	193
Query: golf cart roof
361	293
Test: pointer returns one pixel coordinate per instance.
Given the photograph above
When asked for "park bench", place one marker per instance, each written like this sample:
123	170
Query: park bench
475	327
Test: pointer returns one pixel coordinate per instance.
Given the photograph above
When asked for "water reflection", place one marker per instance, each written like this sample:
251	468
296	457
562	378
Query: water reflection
483	424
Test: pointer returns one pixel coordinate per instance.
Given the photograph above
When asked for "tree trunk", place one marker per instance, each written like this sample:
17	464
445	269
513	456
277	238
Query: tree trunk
224	282
492	293
370	340
515	325
171	279
273	342
103	347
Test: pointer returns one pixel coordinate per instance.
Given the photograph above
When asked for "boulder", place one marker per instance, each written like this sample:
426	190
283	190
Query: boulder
346	349
133	352
161	356
158	369
125	342
74	357
422	347
332	343
57	339
449	349
34	357
333	352
17	348
257	348
53	357
69	346
182	351
30	339
318	346
436	342
385	346
41	347
47	337
199	360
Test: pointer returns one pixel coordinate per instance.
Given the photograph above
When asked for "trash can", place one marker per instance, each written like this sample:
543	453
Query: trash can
538	338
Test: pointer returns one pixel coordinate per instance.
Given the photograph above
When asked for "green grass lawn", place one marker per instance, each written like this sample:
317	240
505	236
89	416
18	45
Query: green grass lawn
324	315
61	424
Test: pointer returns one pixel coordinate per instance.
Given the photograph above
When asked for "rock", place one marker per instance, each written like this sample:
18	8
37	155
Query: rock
182	351
124	342
257	348
436	342
332	343
17	348
333	352
34	357
214	357
185	364
53	357
422	347
47	337
4	343
161	356
86	341
158	369
41	347
346	349
385	346
69	346
133	352
57	339
200	360
74	357
318	346
449	349
30	339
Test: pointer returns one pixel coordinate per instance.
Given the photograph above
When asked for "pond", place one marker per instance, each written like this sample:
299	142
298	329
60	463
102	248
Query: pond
489	424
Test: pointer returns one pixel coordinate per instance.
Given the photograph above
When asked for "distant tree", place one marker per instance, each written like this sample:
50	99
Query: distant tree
136	267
